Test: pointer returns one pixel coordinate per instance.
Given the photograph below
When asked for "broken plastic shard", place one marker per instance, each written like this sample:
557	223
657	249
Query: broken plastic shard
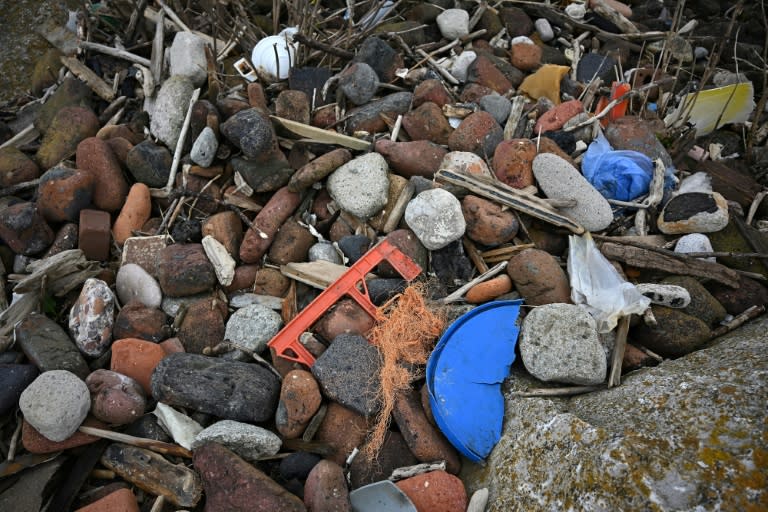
713	108
382	496
545	82
466	369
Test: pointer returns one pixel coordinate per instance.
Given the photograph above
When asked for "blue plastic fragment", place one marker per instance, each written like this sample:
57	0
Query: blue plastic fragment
464	376
616	174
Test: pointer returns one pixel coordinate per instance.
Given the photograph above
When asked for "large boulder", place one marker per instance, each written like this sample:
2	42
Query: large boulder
690	434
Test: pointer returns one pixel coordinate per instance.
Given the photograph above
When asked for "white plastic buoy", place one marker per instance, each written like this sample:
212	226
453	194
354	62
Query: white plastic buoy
274	56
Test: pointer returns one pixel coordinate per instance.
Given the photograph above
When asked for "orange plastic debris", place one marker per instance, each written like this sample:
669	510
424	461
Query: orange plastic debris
286	343
618	89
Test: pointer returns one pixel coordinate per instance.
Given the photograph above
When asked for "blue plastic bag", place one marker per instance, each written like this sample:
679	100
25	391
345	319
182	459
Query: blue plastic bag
622	174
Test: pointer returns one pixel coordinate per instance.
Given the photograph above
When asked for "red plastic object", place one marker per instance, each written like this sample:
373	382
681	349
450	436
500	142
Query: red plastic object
286	343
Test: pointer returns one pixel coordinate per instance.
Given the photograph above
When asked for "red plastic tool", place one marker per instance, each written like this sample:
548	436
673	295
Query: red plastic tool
286	343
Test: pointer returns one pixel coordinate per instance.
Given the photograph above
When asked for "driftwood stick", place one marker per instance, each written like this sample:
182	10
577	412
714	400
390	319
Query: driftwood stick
323	47
458	294
89	78
165	191
28	134
615	17
9	191
740	320
114	52
171	14
140	442
156	63
668	261
567	391
618	351
437	67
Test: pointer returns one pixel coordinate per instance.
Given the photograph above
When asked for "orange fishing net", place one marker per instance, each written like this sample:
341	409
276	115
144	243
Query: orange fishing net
405	338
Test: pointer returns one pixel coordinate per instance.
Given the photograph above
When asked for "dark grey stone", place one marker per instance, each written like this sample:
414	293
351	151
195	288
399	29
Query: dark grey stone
298	465
48	346
250	131
229	390
348	373
14	378
354	246
149	163
263	176
359	83
594	65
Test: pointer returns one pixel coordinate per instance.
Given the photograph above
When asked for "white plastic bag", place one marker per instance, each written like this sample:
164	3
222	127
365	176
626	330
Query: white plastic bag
599	287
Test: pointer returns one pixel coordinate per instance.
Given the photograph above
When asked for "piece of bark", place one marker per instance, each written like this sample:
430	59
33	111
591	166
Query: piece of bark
655	259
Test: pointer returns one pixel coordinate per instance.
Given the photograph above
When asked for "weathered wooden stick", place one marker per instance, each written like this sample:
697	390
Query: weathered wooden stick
139	442
567	391
458	294
89	78
165	191
114	52
156	63
501	193
25	136
658	259
740	320
618	351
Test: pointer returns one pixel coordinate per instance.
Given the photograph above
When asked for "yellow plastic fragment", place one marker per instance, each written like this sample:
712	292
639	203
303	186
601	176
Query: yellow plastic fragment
713	108
545	82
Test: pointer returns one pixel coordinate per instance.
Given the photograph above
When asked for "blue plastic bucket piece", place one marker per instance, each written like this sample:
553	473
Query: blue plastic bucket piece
465	372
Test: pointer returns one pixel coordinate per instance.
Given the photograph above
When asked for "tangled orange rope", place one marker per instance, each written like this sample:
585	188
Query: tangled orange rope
405	338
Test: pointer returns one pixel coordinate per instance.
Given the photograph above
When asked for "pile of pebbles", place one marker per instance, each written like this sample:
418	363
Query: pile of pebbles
152	256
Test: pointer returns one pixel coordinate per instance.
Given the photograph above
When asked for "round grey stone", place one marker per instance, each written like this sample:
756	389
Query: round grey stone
361	186
205	147
498	106
250	131
544	29
135	283
56	403
559	342
359	83
187	57
435	217
558	179
453	23
252	327
171	109
694	242
248	441
324	251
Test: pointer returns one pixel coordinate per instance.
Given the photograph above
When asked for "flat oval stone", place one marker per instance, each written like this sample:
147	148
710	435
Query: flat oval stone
300	399
48	347
558	179
150	471
135	283
92	317
248	441
694	212
230	390
56	403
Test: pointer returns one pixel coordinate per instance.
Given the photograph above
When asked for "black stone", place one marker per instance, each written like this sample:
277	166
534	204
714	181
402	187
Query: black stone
250	131
227	389
354	246
378	54
564	140
347	373
149	163
451	265
263	176
595	65
394	454
48	346
381	290
310	81
298	465
687	205
148	427
14	378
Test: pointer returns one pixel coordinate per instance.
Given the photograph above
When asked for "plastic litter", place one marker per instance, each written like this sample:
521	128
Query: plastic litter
465	372
273	56
597	285
616	174
382	496
180	427
712	108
